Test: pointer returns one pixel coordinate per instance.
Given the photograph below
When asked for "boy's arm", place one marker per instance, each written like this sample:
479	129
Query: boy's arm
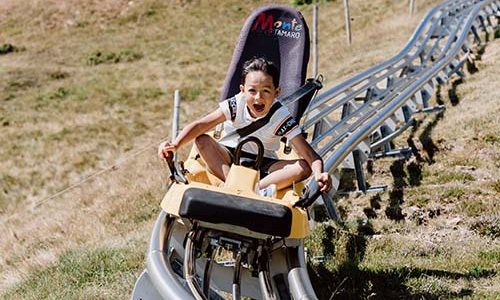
305	150
192	131
199	127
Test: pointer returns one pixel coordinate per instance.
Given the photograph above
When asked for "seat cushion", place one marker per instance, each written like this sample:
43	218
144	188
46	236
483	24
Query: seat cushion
256	215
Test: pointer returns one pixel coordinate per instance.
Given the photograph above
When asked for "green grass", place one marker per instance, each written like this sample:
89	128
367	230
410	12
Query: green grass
453	193
449	177
98	57
492	256
491	138
86	273
472	207
487	225
496	186
420	200
8	48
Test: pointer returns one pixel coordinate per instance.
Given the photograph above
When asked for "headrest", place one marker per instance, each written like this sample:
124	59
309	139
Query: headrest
280	34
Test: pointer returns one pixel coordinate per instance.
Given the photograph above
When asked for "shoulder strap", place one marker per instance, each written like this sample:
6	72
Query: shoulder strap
303	96
254	126
232	103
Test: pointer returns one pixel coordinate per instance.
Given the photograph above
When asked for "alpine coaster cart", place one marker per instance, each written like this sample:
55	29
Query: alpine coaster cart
200	217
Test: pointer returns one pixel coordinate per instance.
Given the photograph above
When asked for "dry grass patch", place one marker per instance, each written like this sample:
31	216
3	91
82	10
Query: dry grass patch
119	204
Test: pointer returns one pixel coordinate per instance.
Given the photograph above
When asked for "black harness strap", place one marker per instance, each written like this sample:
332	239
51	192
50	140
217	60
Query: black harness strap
303	95
254	126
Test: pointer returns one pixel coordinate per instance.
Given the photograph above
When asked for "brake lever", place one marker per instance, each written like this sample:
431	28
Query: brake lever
176	170
310	195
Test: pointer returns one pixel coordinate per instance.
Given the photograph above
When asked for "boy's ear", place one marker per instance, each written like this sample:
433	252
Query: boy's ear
242	88
278	90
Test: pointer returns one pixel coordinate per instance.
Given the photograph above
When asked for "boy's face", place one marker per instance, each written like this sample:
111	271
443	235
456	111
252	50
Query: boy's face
260	92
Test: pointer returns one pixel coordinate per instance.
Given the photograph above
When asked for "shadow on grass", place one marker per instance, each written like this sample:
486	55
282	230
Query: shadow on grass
414	173
425	138
396	195
346	280
404	174
471	63
452	92
427	144
351	282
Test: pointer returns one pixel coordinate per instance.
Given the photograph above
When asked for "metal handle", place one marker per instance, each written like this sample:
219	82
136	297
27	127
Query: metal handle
176	170
260	152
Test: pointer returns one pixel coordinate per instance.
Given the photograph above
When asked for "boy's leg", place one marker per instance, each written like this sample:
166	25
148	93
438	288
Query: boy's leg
284	173
214	154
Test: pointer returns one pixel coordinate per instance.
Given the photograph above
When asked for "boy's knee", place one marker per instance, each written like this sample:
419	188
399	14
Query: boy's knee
202	140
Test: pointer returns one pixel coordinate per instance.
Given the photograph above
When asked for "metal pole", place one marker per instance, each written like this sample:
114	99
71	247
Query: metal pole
175	117
315	40
347	22
412	7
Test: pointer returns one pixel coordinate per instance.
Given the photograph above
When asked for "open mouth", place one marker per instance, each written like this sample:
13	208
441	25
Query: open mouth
259	107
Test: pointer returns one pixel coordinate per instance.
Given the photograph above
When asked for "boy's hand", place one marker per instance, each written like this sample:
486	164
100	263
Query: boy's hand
165	149
324	181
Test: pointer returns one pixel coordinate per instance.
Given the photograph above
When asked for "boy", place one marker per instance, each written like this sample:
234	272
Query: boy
258	91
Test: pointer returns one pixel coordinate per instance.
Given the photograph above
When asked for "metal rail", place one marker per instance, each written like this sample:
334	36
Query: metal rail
362	115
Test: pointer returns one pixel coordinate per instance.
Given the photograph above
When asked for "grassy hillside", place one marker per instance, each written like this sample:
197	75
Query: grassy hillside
86	90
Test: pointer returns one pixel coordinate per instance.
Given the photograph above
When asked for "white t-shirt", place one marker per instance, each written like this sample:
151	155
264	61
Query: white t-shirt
238	116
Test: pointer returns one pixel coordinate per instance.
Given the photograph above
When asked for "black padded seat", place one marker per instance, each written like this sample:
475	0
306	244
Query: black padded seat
258	216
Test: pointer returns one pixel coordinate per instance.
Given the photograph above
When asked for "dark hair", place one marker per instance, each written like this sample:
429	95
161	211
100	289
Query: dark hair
261	64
